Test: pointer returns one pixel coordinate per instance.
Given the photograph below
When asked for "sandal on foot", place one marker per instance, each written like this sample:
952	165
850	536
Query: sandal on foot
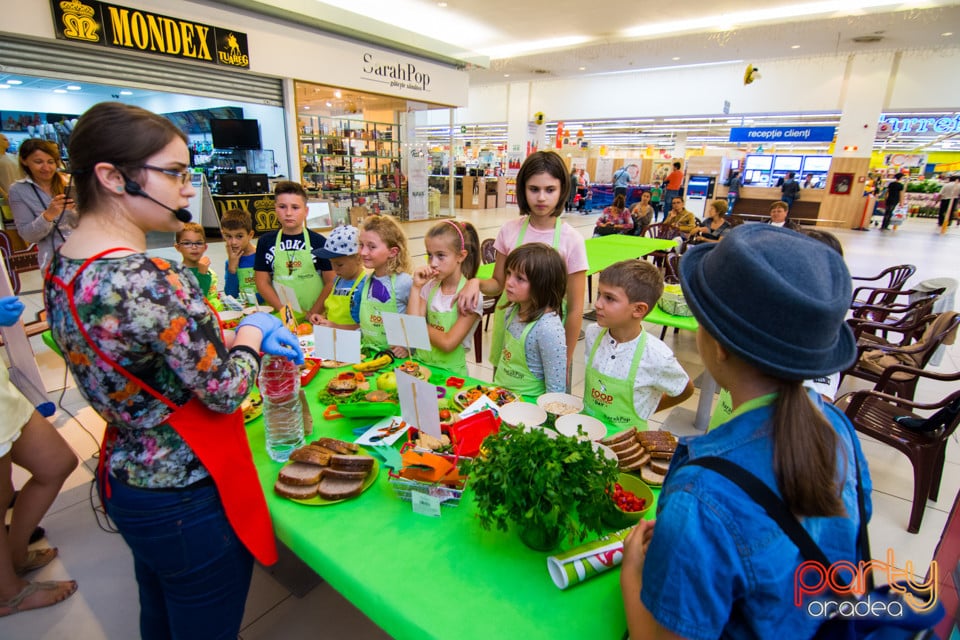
36	559
15	603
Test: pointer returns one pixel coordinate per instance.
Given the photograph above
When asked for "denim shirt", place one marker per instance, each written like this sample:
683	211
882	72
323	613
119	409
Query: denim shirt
718	565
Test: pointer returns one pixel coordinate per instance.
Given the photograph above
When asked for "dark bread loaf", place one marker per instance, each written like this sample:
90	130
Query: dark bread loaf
351	463
337	446
311	455
295	492
300	474
339	489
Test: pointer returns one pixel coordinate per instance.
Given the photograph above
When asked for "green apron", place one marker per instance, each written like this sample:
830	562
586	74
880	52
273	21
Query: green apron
374	336
337	307
496	338
611	399
456	360
295	269
513	372
248	284
723	412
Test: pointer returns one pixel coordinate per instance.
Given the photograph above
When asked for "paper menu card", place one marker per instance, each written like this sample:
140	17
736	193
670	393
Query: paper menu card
336	344
287	296
404	330
418	403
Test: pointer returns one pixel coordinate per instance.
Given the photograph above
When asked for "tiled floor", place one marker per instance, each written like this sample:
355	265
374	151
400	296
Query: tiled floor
106	605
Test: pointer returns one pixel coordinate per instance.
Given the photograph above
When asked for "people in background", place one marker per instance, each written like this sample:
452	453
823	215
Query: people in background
574	186
680	218
9	167
583	187
621	180
715	227
778	215
642	213
789	190
673	184
734	183
615	219
895	196
42	210
948	200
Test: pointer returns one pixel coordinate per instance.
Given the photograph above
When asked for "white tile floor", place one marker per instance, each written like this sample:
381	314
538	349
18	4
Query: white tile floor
106	605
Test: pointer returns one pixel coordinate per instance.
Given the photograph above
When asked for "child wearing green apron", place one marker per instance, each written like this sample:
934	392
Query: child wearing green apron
453	255
341	309
192	245
533	361
285	257
240	279
383	250
630	374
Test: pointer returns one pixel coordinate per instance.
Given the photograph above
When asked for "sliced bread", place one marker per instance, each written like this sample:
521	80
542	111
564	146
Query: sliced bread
659	466
300	474
311	455
295	492
338	446
627	447
635	462
651	477
339	489
351	463
343	474
627	435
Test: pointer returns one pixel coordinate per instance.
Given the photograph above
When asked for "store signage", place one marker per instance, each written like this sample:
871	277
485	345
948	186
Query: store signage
111	25
782	134
934	123
394	74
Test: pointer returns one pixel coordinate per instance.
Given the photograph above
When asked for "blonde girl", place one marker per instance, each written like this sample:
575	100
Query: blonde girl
383	250
533	361
453	256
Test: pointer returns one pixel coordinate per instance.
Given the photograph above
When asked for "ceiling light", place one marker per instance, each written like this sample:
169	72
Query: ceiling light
59	90
126	93
306	107
337	94
4	86
583	68
74	87
506	75
534	46
945	34
675	58
796	46
442	5
329	104
12	81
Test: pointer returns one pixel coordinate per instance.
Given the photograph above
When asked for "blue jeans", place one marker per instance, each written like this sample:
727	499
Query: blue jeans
192	571
731	200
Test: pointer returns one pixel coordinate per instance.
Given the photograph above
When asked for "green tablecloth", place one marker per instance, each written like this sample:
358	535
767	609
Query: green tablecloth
661	317
607	250
420	577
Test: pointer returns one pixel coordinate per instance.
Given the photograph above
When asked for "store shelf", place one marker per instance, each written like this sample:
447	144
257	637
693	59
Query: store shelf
355	158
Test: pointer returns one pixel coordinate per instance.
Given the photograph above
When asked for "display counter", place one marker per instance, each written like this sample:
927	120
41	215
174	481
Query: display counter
756	201
424	577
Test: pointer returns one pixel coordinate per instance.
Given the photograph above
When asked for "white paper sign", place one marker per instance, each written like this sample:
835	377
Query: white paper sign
418	403
287	296
404	330
336	344
425	504
386	432
480	404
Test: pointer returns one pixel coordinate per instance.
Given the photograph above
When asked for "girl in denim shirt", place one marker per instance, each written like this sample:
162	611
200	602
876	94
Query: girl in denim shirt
770	304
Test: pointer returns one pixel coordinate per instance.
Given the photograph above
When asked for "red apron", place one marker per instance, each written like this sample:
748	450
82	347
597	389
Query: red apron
223	449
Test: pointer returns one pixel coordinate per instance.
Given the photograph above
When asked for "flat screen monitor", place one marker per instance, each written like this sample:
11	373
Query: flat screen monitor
787	163
235	134
761	163
816	163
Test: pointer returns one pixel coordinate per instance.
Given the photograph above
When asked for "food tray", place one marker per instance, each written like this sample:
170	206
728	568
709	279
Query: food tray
405	487
312	367
499	395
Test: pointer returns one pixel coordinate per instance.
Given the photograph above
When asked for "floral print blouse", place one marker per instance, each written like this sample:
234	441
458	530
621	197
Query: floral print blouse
150	317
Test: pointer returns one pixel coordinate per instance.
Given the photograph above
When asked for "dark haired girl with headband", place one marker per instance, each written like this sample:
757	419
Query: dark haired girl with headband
175	471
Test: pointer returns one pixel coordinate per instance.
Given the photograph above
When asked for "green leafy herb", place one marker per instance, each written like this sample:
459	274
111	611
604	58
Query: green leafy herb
531	480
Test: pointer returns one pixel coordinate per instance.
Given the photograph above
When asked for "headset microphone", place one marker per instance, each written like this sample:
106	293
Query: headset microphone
134	189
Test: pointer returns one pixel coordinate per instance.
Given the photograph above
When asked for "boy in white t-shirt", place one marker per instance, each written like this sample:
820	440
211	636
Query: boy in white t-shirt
630	374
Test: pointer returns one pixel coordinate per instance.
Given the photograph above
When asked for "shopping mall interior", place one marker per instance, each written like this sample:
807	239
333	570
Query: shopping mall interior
425	110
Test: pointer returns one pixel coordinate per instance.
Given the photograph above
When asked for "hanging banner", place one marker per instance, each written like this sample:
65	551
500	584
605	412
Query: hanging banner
99	23
782	134
417	156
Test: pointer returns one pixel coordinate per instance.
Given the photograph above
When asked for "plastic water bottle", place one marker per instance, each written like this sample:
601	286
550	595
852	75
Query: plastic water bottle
282	413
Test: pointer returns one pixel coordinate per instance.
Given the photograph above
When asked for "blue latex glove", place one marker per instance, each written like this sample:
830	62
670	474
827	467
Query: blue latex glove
276	339
10	310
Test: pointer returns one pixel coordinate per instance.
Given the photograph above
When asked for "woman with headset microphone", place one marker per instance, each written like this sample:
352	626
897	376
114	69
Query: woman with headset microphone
176	474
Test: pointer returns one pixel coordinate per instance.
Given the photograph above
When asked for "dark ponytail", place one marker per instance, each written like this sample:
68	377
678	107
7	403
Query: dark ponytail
805	455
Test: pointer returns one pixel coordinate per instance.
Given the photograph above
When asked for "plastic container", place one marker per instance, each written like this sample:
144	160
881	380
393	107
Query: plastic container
282	413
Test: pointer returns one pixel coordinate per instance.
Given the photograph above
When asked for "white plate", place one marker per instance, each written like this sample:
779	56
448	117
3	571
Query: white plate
550	433
525	413
573	402
263	308
593	428
609	453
